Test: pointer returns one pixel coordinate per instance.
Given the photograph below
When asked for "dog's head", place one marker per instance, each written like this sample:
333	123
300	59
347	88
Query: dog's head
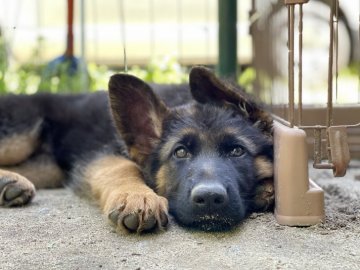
205	157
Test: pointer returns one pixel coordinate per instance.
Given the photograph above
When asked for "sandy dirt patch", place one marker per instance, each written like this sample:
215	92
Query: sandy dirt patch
61	231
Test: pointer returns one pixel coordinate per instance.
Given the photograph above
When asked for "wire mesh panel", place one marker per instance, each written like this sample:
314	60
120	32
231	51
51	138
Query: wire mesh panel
299	201
328	152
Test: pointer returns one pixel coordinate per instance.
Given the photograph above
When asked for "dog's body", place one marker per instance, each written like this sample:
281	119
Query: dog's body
209	162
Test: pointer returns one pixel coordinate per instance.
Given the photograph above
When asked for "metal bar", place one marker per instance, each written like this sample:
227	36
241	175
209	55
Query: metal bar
227	62
96	31
207	27
180	31
152	28
291	20
336	39
317	146
253	18
336	46
69	52
323	166
300	64
82	30
313	127
325	127
330	68
293	2
329	120
287	123
84	74
123	31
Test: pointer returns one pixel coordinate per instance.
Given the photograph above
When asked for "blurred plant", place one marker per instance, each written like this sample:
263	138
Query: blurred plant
99	76
33	77
3	63
65	76
247	78
162	70
351	70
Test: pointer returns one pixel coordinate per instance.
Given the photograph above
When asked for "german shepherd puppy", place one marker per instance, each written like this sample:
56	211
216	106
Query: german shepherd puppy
206	161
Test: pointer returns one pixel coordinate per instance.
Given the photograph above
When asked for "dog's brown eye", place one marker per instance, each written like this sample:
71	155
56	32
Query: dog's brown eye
236	151
181	152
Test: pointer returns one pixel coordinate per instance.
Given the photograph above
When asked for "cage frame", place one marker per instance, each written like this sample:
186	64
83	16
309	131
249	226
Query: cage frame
299	201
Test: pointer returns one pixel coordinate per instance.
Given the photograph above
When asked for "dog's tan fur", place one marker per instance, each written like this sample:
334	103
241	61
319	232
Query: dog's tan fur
118	185
162	181
18	147
41	170
264	167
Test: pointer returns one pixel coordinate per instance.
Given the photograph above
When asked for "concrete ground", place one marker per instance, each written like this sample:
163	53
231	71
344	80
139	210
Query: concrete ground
61	231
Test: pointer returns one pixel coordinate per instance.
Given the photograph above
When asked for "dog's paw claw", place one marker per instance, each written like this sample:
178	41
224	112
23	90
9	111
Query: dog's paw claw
164	220
114	216
131	222
150	223
15	190
139	212
12	192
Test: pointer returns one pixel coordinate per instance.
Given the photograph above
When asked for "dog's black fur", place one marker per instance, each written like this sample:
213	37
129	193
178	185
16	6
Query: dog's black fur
210	156
220	149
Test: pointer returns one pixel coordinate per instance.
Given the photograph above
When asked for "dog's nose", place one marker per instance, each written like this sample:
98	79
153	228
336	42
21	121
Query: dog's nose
209	196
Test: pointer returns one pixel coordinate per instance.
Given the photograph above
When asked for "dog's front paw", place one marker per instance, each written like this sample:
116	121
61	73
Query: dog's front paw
15	190
264	196
137	212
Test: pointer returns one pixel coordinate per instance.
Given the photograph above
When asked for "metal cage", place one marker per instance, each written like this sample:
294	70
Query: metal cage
299	201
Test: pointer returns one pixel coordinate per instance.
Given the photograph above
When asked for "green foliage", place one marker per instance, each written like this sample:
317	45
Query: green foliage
166	70
247	78
3	64
98	76
60	76
71	75
65	75
351	70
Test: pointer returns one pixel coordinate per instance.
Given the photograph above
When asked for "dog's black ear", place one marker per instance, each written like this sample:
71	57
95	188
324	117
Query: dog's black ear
207	88
138	114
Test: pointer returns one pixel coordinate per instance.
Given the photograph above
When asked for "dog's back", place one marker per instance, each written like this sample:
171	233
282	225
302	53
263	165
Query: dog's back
71	127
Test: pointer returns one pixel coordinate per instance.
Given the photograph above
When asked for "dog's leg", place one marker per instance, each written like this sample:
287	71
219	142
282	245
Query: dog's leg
15	190
18	146
41	170
119	187
21	119
21	123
